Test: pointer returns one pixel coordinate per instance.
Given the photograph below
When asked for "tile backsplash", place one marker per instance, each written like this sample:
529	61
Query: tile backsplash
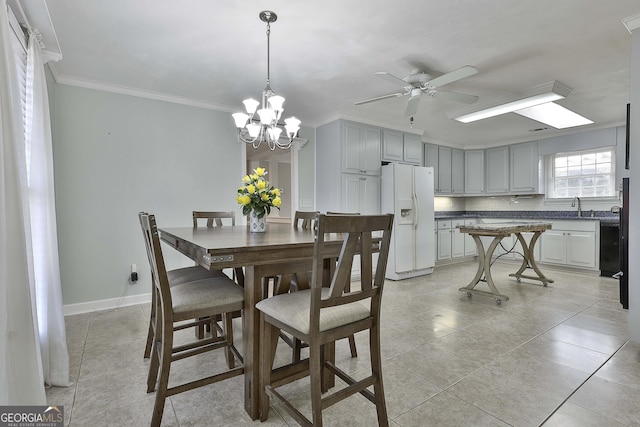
518	203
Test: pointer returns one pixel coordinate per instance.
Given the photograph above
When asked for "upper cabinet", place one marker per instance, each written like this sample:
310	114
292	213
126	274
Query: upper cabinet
401	147
431	160
444	170
497	170
360	148
474	172
523	172
457	171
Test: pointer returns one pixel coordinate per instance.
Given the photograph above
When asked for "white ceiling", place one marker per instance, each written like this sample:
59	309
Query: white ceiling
324	55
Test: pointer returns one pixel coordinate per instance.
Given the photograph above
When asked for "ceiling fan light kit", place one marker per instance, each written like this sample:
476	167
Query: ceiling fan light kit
266	128
537	95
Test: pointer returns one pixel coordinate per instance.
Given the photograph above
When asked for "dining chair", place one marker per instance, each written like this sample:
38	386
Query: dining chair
215	219
321	315
176	277
206	298
303	220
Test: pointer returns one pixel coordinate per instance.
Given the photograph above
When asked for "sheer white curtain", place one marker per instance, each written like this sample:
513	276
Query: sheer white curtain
33	350
53	343
21	377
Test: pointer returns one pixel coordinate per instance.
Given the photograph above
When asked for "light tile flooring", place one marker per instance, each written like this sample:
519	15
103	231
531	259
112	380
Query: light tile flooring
556	356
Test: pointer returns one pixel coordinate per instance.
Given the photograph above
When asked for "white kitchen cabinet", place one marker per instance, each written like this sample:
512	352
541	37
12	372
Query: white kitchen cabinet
523	170
571	243
444	170
392	146
457	171
431	160
474	171
401	147
360	148
444	240
470	248
457	239
497	170
412	147
361	194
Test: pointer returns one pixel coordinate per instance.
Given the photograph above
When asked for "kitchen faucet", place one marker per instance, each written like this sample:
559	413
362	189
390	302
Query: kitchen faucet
573	205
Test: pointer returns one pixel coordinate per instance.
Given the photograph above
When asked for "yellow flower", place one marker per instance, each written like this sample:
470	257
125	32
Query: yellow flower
251	189
264	197
277	202
254	177
244	199
246	179
260	171
275	191
262	184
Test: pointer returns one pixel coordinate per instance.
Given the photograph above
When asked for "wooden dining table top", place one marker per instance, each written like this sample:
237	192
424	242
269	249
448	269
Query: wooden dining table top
234	246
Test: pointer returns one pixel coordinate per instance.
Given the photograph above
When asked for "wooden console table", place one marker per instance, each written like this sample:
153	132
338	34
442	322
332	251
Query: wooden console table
498	232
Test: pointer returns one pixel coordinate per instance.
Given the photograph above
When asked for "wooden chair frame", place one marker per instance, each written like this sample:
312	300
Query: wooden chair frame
357	232
163	352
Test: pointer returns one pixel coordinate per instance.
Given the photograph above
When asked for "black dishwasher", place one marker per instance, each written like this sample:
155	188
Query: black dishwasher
609	248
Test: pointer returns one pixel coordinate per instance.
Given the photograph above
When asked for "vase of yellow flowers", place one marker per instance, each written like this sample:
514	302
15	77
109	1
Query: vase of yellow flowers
257	198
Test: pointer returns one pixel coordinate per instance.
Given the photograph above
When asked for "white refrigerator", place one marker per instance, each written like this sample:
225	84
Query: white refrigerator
407	192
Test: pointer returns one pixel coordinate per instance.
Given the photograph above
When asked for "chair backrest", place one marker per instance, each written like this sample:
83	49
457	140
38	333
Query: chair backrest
147	242
158	269
343	213
305	220
213	217
359	235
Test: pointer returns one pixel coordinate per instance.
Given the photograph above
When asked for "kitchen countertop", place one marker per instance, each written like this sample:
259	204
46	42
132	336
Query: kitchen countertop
603	216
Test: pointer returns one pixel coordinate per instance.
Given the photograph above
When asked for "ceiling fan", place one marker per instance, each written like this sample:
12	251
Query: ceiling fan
420	82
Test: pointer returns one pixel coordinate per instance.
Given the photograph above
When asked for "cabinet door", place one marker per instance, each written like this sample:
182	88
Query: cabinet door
412	149
523	169
444	170
470	248
457	171
474	171
392	146
431	160
371	153
352	146
360	149
553	247
457	240
497	169
361	194
444	245
581	248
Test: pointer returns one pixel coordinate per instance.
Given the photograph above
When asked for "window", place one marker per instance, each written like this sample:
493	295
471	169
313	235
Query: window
589	173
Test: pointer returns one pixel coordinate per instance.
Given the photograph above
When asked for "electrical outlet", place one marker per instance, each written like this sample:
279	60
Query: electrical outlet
133	278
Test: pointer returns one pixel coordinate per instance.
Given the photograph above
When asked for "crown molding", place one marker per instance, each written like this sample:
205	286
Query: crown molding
632	22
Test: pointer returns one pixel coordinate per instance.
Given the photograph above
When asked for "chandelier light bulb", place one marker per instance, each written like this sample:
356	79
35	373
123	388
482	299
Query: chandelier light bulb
276	102
292	126
250	105
274	133
266	116
240	119
253	129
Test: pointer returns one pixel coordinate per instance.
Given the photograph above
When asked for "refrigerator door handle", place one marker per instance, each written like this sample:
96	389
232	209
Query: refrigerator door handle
416	213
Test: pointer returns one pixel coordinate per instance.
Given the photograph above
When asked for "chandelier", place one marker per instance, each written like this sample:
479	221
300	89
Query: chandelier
266	127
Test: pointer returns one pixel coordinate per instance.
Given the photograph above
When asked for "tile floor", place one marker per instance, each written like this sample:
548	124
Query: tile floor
556	356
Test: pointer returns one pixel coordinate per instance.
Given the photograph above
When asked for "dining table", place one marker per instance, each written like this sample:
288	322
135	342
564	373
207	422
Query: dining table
282	249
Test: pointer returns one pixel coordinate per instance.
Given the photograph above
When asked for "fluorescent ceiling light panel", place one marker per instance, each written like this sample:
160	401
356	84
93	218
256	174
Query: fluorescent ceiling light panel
554	115
536	95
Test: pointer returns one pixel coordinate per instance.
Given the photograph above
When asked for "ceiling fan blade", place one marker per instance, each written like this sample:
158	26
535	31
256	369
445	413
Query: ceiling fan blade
378	98
412	105
391	78
456	96
458	74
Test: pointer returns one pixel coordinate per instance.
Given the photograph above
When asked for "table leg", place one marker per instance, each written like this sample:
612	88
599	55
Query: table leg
529	260
251	340
484	266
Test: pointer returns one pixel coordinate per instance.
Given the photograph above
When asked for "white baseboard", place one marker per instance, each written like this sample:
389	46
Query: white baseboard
105	304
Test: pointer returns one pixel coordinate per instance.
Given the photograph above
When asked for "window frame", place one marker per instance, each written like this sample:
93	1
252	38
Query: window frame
549	176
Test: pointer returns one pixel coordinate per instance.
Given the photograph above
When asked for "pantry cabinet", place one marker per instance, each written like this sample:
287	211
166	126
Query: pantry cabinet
401	147
360	148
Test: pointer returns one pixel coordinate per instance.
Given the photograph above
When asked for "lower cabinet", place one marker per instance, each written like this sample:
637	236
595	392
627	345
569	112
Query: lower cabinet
570	243
451	243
